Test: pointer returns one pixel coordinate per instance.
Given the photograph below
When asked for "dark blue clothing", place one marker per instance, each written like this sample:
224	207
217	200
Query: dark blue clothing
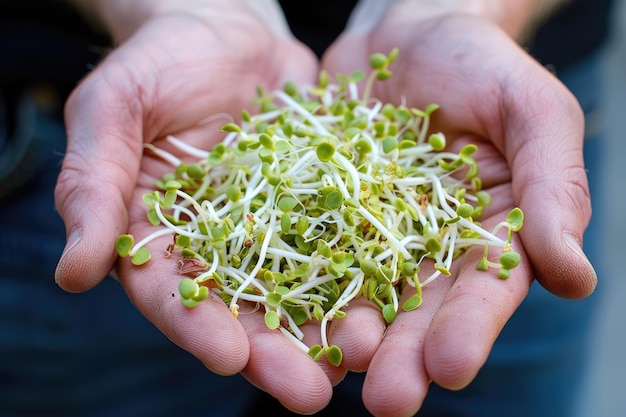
93	354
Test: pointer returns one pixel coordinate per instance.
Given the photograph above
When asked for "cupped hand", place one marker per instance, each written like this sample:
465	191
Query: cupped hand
176	70
529	130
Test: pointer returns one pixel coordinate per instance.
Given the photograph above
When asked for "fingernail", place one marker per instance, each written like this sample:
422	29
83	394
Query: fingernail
576	246
72	241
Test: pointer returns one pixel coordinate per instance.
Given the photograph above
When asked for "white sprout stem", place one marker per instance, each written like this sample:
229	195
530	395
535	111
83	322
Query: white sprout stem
241	278
451	245
179	209
351	291
354	91
301	163
259	264
166	156
352	172
394	299
185	147
302	289
172	227
385	232
487	235
442	196
289	254
198	207
297	341
303	112
223	115
430	279
149	238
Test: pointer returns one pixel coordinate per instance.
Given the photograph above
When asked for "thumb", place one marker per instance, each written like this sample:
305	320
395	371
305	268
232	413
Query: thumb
550	183
96	181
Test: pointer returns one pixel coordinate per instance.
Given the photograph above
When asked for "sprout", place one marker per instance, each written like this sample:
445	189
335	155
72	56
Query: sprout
323	196
325	151
272	319
124	244
412	303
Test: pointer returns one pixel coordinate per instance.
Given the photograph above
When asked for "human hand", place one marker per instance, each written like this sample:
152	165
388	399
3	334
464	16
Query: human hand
175	68
529	132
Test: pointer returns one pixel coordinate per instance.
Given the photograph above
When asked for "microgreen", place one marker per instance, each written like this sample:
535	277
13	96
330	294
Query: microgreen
322	196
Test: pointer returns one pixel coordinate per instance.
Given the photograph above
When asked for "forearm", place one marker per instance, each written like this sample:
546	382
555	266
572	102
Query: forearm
121	18
519	18
516	17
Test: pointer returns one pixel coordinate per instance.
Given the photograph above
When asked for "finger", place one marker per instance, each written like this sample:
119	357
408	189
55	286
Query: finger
470	319
397	381
284	370
301	69
96	180
336	60
358	334
209	331
550	183
312	336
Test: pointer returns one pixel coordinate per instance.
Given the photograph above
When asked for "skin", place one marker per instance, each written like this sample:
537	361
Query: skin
178	63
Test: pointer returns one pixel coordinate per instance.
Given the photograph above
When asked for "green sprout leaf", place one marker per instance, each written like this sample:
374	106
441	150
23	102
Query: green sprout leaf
325	151
188	288
316	352
274	299
124	244
334	355
412	303
504	273
378	60
437	141
272	320
189	302
389	144
286	204
150	199
481	265
465	210
389	314
516	219
233	193
331	201
433	245
231	127
510	259
363	147
285	223
142	256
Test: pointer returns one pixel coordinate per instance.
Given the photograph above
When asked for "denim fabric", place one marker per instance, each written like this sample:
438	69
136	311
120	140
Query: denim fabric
82	355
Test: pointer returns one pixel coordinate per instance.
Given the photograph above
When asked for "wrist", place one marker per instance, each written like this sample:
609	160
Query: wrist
510	15
516	17
121	18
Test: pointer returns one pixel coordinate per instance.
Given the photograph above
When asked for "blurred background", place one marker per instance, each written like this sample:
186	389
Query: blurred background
607	388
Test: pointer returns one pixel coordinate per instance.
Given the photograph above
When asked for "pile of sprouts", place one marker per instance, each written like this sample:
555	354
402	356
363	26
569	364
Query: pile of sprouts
323	196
